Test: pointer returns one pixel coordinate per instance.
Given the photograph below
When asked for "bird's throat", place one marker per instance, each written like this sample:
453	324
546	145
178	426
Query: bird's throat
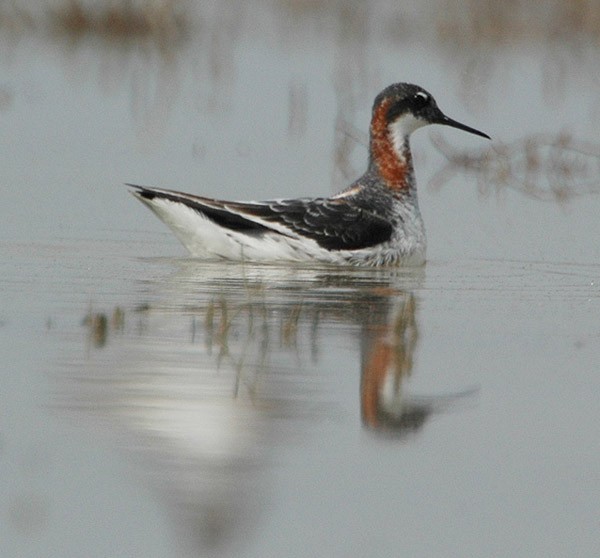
390	154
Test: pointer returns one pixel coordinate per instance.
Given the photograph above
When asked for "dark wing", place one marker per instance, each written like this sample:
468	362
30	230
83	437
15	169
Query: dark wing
334	224
213	209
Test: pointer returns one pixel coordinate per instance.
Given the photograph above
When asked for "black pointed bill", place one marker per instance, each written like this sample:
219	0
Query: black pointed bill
443	119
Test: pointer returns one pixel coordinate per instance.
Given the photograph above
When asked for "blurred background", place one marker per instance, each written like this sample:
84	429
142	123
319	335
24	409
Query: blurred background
153	405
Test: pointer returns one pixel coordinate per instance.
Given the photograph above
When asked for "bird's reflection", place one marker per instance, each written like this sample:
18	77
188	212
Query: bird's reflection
214	368
387	362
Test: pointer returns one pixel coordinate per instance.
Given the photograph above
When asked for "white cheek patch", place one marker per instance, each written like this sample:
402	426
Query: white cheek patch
402	128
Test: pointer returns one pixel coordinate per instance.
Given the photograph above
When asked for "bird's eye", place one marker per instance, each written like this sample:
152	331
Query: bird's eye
420	100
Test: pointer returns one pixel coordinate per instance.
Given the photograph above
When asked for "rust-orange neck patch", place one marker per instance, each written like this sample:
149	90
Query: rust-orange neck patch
395	169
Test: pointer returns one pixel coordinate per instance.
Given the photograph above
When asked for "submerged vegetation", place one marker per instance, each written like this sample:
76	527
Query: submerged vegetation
466	21
490	21
159	19
544	167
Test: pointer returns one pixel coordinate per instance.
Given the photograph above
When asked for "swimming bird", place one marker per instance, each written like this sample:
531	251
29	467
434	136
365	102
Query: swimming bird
375	221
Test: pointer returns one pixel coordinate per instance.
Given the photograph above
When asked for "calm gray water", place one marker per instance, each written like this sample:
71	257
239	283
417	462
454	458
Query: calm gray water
154	405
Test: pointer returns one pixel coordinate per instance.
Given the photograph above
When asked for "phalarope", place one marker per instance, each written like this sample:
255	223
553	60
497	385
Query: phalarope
375	221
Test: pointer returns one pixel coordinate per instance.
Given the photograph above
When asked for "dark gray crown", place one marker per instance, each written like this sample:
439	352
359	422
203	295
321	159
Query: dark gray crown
407	98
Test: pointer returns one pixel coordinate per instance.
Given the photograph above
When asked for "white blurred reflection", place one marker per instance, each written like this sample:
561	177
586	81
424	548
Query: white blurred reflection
219	365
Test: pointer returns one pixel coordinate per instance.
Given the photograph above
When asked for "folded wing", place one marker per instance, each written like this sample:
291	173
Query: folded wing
334	224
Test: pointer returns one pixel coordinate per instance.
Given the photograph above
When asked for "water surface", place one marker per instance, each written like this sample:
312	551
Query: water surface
155	405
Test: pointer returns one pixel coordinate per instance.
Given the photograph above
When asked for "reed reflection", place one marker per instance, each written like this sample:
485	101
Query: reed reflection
221	366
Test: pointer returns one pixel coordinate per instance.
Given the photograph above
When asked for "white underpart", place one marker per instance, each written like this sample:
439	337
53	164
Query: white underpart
205	239
402	128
